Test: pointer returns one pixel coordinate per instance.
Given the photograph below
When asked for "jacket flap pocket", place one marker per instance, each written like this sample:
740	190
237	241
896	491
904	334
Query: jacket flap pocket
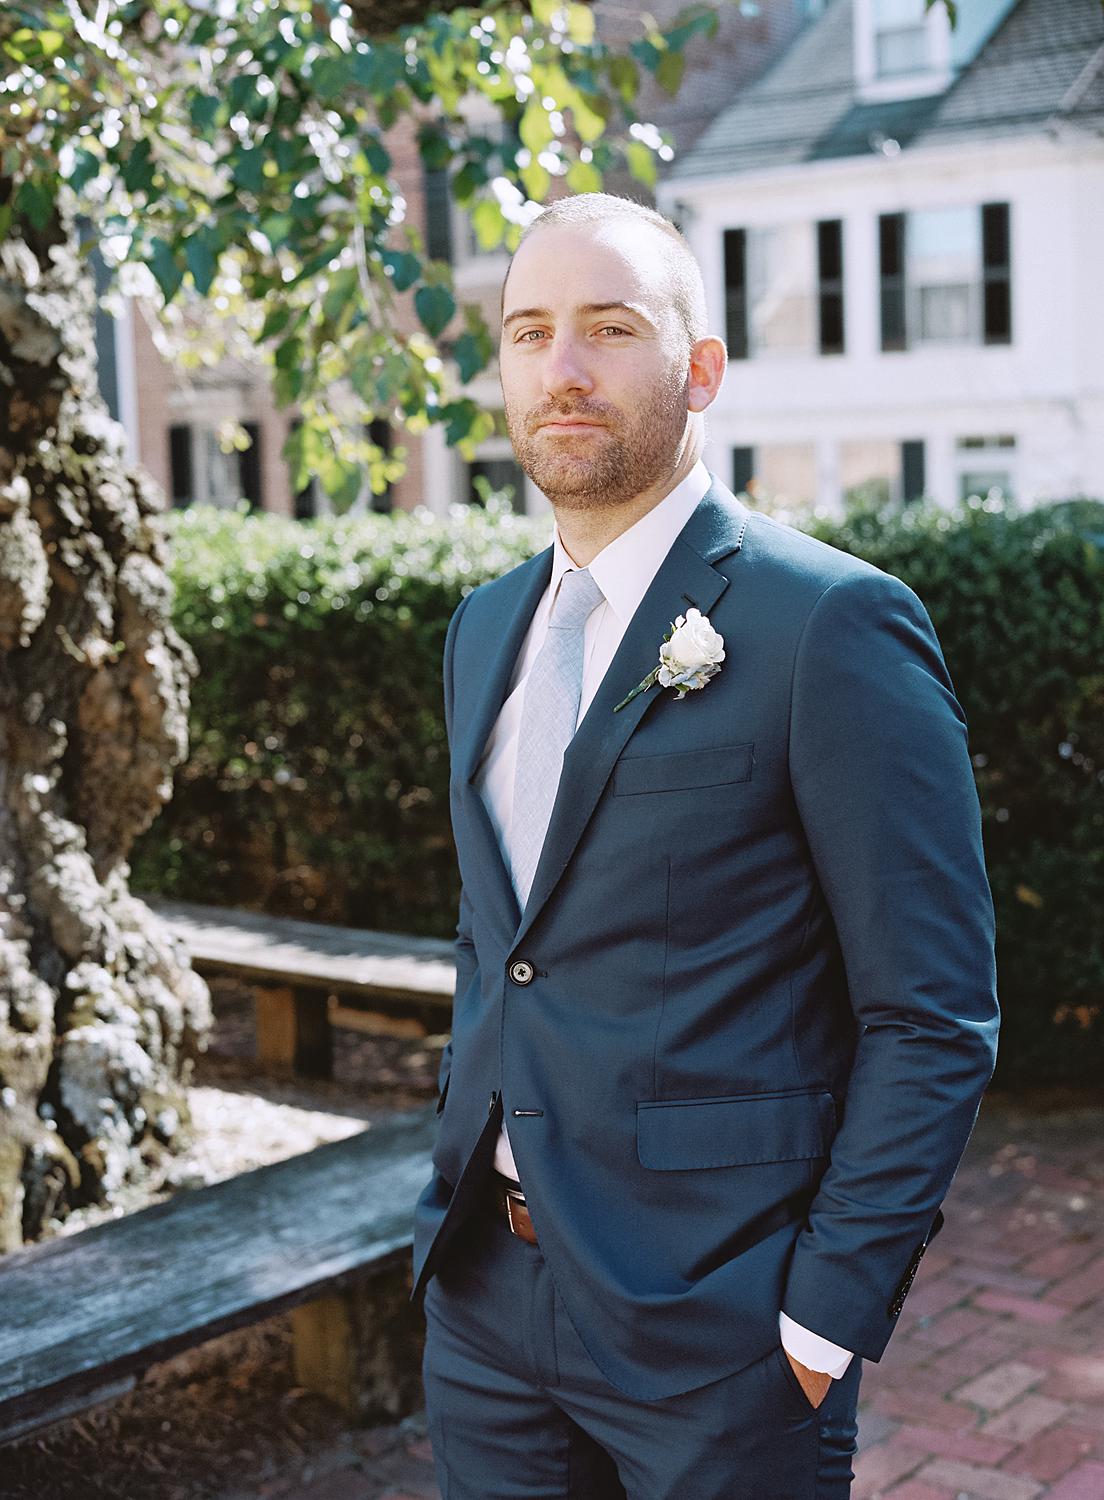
740	1131
677	770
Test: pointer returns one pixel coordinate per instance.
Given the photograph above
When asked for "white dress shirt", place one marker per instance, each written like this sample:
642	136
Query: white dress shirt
623	570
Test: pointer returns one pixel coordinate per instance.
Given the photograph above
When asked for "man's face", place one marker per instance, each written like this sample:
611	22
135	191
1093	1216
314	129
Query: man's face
589	332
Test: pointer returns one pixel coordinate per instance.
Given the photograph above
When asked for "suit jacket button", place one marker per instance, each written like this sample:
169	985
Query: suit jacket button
521	972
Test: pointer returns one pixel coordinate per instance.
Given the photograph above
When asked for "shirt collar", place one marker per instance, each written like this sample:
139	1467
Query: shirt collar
626	566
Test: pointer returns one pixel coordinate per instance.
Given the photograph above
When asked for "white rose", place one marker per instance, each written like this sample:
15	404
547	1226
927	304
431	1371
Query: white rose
693	654
694	643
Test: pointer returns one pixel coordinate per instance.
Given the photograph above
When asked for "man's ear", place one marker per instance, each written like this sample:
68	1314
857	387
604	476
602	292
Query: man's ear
708	362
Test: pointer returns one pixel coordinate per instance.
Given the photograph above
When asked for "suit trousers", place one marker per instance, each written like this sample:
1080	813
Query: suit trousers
518	1410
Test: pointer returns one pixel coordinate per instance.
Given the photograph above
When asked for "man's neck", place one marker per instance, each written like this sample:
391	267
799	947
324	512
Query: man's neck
584	532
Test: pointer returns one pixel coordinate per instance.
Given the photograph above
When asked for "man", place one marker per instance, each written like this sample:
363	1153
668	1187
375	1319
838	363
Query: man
724	1006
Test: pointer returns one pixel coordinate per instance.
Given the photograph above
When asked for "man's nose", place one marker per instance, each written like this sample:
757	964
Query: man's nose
565	369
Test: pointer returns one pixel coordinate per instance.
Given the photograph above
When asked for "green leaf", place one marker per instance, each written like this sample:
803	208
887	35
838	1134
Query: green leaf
623	76
36	201
488	223
672	65
203	111
435	307
642	162
275	322
378	68
584	177
138	168
166	272
472	175
202	259
85	168
545	10
536	128
471	354
406	268
459	418
332	76
586	117
537	181
580	24
276	228
248	169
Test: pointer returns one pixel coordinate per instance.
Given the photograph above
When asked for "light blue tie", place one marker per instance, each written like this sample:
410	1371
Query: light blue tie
549	711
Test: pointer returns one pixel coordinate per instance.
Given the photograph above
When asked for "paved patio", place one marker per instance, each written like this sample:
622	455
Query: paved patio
993	1385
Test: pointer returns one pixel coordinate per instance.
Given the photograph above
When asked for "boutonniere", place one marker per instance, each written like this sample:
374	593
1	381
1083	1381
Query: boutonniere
691	654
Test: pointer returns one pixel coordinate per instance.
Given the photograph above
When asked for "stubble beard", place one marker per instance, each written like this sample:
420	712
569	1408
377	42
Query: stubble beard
607	468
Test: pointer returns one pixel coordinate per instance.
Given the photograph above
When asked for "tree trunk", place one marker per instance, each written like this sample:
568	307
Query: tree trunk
100	1014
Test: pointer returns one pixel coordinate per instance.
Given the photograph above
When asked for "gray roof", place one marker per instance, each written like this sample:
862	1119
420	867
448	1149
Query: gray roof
1044	62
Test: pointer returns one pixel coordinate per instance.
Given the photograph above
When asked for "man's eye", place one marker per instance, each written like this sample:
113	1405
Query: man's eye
612	328
524	337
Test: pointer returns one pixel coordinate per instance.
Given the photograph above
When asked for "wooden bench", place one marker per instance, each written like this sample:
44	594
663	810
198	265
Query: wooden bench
326	1234
308	977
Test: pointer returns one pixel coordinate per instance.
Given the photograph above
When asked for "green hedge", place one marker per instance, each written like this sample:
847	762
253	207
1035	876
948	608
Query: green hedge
317	783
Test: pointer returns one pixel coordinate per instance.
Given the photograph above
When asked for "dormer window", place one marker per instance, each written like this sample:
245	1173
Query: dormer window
902	49
900	38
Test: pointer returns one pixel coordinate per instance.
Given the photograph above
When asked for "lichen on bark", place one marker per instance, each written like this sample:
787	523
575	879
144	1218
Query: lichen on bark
101	1016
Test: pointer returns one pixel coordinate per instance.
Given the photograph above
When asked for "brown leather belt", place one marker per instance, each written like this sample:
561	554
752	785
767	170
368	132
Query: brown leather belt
509	1201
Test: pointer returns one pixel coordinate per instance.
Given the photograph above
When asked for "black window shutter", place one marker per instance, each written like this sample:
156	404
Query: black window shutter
249	466
830	279
438	200
735	274
180	463
891	267
379	432
743	467
912	469
996	263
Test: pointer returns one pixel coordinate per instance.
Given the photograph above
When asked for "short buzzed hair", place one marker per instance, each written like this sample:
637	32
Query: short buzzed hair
683	272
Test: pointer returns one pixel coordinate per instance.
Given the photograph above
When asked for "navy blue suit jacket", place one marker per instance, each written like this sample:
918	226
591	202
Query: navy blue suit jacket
762	1012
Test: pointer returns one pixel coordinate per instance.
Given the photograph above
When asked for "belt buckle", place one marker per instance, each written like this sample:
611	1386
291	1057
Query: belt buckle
512	1195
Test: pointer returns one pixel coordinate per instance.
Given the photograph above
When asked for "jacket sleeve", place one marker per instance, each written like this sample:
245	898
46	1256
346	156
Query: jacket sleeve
885	791
464	946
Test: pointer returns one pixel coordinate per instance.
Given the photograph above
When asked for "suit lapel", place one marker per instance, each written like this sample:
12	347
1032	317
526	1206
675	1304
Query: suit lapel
685	578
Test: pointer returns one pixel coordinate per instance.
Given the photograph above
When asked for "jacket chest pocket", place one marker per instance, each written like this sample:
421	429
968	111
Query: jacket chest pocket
682	770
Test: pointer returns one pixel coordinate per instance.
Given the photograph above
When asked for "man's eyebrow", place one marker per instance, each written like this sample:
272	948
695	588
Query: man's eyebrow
588	309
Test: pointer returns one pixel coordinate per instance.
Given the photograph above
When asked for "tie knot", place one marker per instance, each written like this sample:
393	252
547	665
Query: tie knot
578	595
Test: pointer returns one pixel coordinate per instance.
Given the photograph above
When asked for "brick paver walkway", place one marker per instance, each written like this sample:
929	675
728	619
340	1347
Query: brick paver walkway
993	1385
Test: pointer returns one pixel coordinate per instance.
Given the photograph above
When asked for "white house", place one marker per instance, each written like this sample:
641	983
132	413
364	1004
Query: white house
901	227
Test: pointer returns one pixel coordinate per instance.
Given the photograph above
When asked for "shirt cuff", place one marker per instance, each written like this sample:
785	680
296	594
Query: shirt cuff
811	1350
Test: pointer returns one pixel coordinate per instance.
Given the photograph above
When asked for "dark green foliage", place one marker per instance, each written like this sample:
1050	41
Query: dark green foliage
1018	602
317	783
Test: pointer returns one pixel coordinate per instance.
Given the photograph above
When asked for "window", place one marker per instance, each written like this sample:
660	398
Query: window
881	470
772	290
945	276
782	474
500	474
202	474
986	465
900	38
